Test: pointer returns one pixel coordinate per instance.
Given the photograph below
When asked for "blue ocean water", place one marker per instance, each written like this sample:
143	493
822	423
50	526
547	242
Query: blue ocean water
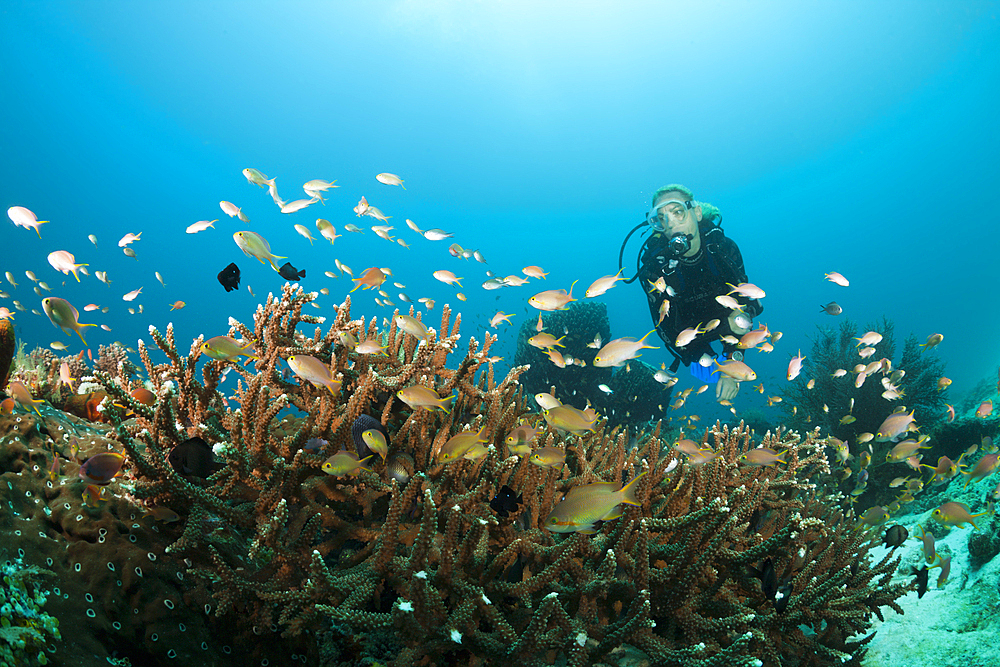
851	137
848	137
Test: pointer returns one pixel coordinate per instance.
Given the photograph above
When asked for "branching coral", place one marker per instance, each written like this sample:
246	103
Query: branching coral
428	565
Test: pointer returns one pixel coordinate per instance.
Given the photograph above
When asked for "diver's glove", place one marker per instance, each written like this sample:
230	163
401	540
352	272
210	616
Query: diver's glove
704	373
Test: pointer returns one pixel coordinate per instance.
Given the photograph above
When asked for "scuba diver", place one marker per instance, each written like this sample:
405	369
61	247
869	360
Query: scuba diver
688	261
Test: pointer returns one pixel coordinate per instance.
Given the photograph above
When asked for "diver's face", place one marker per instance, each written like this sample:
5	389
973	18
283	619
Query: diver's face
675	218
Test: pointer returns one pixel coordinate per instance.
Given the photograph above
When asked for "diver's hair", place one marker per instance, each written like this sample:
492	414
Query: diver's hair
709	213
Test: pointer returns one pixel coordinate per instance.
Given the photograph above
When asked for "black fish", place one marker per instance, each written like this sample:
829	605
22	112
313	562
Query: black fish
895	536
505	501
230	277
768	578
193	457
921	581
289	272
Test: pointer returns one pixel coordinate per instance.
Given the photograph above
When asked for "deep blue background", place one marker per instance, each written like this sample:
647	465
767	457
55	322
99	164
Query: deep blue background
852	137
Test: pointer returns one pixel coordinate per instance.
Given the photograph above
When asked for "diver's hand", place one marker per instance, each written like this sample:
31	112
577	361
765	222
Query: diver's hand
726	389
736	328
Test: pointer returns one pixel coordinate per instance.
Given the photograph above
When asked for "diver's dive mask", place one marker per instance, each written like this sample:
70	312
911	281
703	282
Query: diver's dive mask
671	210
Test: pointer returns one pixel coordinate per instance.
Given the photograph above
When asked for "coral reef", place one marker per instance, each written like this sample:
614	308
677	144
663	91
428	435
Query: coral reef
264	556
25	629
8	347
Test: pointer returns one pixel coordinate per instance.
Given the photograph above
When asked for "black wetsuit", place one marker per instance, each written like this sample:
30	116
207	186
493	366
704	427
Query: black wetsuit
695	281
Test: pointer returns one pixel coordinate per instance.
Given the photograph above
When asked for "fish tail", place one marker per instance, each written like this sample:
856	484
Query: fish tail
628	491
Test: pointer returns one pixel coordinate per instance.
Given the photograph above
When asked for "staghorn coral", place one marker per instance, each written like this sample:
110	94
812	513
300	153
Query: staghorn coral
428	572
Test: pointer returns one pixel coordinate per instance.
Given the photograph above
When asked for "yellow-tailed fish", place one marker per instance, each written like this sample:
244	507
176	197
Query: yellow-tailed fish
458	445
585	505
412	326
22	217
62	260
371	278
315	371
254	245
568	418
620	350
19	392
376	442
548	457
418	396
345	463
225	348
63	315
553	299
956	514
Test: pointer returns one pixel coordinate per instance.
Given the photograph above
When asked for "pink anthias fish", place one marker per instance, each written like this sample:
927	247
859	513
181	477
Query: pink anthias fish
795	366
835	277
553	299
620	350
749	290
22	217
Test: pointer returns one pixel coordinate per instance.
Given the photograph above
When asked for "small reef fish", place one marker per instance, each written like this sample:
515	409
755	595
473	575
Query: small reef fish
254	245
201	226
620	350
93	495
568	418
418	396
762	456
602	285
102	468
835	277
505	502
345	463
375	440
129	239
229	277
314	371
459	445
548	457
289	272
831	308
22	217
584	506
20	393
63	315
193	457
64	261
447	277
225	348
932	341
258	178
795	366
552	299
390	179
412	326
371	278
895	424
956	514
437	235
520	439
233	211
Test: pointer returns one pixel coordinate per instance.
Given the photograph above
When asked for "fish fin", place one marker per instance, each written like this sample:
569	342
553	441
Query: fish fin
628	491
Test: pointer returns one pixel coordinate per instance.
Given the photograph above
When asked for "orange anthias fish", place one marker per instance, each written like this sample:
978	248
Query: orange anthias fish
553	299
371	278
581	508
620	350
956	514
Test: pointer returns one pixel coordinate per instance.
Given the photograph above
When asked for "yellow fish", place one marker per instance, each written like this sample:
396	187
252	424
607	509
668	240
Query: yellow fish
956	514
254	245
585	505
225	348
315	371
63	315
419	396
553	299
548	457
345	463
459	445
